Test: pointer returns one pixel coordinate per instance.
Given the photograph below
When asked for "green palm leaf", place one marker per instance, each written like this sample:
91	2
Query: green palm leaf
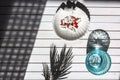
59	64
46	72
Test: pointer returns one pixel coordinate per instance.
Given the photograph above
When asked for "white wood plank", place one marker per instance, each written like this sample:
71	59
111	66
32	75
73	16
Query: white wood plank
52	35
88	3
76	76
75	43
93	26
76	51
93	18
75	68
88	75
76	59
93	11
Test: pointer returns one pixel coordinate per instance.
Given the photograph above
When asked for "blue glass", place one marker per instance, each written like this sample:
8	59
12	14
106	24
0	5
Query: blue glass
98	62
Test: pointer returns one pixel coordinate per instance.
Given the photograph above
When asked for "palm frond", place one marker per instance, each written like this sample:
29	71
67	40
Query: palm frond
60	63
46	72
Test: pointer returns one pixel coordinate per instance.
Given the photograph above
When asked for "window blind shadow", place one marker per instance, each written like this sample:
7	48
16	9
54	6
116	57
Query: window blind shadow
19	23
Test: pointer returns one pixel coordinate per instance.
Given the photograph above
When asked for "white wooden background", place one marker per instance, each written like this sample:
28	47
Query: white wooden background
104	15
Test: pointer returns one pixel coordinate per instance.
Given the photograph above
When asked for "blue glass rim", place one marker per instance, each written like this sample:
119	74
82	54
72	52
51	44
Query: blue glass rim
103	67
